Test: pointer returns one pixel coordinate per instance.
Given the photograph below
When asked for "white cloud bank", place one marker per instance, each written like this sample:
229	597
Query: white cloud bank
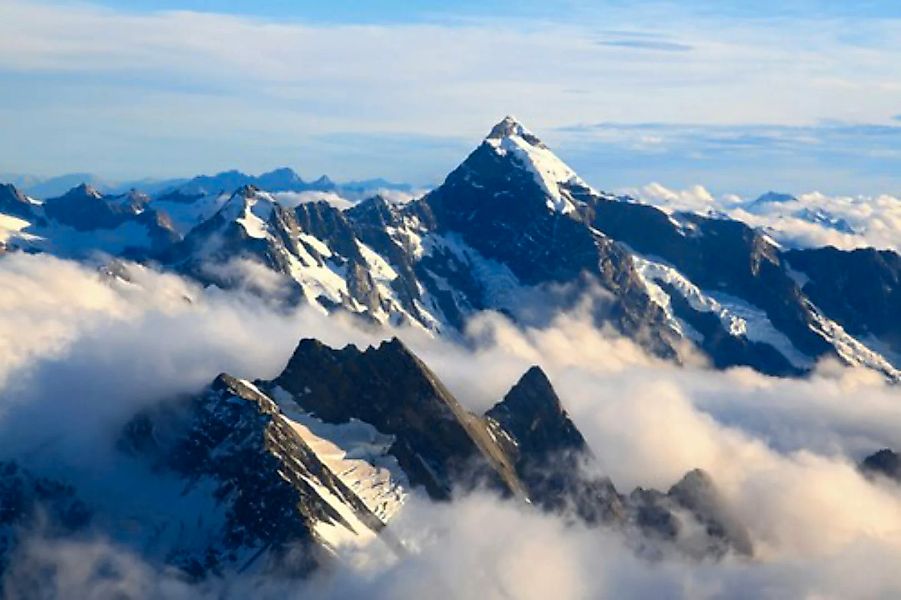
79	354
809	220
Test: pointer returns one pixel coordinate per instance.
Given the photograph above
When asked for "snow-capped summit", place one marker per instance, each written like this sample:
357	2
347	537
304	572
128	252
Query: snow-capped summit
83	189
90	190
511	126
251	208
510	137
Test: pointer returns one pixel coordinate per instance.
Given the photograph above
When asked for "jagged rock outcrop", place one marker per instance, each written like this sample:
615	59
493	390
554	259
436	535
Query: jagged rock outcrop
526	445
885	462
280	502
437	442
549	453
675	516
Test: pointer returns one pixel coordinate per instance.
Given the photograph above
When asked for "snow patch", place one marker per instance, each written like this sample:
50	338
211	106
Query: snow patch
738	317
850	348
356	452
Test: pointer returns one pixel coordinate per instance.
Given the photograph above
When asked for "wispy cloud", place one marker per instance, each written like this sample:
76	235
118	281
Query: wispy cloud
642	40
135	93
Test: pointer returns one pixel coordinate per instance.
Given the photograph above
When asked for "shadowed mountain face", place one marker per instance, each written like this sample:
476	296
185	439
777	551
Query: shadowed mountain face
860	289
495	203
885	462
513	217
30	503
550	454
287	471
526	445
83	221
15	203
437	442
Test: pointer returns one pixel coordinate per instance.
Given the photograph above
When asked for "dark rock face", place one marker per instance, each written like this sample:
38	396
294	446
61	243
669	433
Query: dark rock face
268	479
532	415
437	443
499	209
526	444
718	255
221	436
211	246
697	493
286	243
548	452
884	462
860	289
84	208
726	350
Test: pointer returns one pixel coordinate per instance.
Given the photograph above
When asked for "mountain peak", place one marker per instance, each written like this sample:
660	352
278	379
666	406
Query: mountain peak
250	208
14	202
533	414
885	462
85	189
511	138
509	127
323	182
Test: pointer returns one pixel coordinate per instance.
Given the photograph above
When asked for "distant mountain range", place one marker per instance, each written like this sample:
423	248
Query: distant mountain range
511	218
277	180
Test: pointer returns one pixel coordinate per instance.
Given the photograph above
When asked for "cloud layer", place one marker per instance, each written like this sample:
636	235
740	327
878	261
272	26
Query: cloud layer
781	451
808	221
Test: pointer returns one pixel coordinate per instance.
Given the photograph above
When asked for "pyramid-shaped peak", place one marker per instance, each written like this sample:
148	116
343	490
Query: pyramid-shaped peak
512	138
251	207
533	395
86	189
533	415
81	191
510	126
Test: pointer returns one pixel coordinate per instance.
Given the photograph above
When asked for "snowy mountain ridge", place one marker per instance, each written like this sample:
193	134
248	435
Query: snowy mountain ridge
511	219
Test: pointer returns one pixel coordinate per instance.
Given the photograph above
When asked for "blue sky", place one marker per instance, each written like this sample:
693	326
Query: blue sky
797	95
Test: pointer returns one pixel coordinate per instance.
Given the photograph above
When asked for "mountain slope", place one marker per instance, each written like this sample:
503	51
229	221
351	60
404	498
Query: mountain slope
82	222
283	476
513	218
860	289
510	220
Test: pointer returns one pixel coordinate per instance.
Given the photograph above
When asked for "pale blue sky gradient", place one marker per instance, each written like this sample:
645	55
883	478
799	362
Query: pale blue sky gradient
797	95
